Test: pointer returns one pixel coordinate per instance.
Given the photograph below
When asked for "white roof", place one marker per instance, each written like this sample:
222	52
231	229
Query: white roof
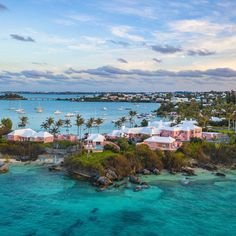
29	133
150	130
43	134
95	138
116	133
160	123
158	139
26	133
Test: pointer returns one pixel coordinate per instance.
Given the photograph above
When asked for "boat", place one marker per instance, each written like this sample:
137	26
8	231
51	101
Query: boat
20	111
57	112
120	109
69	114
39	109
185	181
104	109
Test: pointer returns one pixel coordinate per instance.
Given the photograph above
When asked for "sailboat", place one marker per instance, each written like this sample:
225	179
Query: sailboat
39	109
57	112
20	110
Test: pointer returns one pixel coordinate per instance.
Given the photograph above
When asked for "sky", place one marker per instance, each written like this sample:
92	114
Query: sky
117	45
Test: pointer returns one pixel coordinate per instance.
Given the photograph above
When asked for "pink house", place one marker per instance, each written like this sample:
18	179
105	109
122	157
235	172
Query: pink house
182	132
162	143
95	142
30	136
71	138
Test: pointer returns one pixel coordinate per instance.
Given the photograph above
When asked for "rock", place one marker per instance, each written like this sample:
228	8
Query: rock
145	185
138	188
188	171
220	174
104	181
55	168
94	210
4	168
134	179
209	167
156	171
111	175
146	172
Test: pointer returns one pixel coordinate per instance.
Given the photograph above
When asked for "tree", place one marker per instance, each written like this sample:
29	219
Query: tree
5	126
132	114
90	124
118	124
24	120
144	123
68	125
98	123
229	110
58	124
79	123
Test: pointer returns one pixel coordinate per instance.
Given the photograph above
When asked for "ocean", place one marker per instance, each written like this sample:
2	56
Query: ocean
35	201
114	110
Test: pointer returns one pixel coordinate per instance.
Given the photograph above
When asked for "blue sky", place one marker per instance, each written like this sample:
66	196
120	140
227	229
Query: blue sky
117	45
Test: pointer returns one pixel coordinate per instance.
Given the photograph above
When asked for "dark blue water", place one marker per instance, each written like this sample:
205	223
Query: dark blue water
37	202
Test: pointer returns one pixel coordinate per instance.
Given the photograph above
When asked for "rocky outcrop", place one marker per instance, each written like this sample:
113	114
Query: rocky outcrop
188	171
156	171
134	179
3	168
55	168
220	174
111	175
209	167
146	172
103	181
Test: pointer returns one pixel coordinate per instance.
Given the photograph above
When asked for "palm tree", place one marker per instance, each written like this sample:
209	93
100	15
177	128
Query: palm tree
68	125
44	126
54	130
118	124
229	109
90	124
24	120
50	122
79	122
132	114
123	119
98	123
59	124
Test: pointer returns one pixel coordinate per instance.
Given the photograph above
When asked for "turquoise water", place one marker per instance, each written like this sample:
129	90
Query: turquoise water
86	109
37	202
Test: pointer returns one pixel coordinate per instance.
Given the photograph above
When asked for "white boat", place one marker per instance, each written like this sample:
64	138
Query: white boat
20	111
39	109
69	114
104	109
57	112
120	109
185	181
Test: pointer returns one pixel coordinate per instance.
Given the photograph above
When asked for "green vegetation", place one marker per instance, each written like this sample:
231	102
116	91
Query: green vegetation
12	96
5	126
21	150
133	159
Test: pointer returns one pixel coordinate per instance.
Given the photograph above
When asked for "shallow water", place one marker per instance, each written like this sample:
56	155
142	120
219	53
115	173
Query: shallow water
35	201
86	109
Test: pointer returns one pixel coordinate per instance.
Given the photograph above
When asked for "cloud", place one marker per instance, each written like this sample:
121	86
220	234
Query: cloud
40	63
126	32
22	38
166	49
122	60
157	60
120	43
3	7
80	17
201	52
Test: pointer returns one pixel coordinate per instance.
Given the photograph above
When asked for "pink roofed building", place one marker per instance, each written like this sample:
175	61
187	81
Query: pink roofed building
162	143
30	136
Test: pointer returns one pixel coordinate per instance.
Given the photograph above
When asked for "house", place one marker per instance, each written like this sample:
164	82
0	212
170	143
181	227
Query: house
30	135
95	142
183	131
162	143
140	131
116	134
44	137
